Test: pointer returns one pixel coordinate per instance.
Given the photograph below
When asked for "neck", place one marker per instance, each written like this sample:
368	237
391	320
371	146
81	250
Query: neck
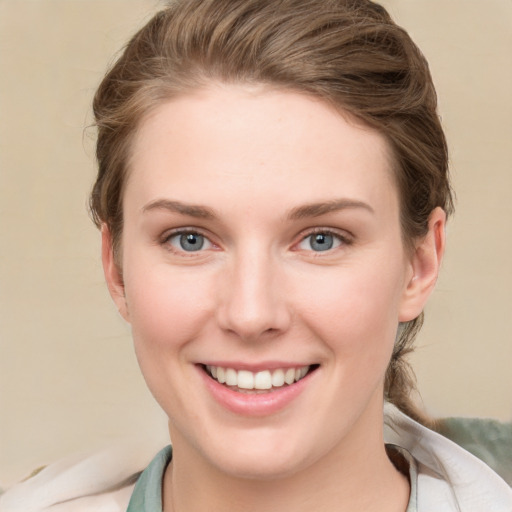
355	476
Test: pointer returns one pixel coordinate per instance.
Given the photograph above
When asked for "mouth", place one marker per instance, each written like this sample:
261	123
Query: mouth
264	381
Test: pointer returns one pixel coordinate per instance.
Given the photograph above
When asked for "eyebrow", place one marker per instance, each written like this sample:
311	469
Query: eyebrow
200	212
300	212
322	208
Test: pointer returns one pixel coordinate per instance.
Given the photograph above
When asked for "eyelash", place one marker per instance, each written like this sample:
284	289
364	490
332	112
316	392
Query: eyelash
343	240
166	240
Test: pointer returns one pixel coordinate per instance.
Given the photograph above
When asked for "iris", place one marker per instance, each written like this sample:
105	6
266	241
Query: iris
321	241
191	241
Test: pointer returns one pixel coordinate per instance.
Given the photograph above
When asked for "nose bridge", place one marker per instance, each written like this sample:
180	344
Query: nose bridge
253	303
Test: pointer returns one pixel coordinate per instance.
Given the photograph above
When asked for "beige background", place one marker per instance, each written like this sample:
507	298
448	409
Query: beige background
68	377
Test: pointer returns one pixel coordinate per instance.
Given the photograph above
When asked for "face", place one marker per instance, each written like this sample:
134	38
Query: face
264	276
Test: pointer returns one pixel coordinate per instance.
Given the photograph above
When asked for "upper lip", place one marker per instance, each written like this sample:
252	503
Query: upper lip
256	367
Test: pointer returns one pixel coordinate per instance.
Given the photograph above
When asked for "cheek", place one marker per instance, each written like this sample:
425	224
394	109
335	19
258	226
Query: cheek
167	314
167	309
355	311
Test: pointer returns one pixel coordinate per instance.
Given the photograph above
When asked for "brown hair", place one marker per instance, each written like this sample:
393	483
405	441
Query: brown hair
347	52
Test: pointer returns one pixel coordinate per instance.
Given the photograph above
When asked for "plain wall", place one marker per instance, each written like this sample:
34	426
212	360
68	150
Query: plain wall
68	377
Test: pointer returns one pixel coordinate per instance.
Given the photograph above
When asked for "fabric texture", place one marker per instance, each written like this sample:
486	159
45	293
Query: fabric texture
444	476
450	479
147	495
487	439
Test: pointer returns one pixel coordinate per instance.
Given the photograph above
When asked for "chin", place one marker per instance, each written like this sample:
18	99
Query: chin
266	454
262	466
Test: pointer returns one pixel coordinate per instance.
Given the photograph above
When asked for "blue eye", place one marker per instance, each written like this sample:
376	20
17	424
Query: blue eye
319	242
189	242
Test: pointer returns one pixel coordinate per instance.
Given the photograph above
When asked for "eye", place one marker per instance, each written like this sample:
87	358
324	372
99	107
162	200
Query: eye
320	241
189	241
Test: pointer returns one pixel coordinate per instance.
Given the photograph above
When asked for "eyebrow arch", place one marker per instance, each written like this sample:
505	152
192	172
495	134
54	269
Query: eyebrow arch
200	212
318	209
300	212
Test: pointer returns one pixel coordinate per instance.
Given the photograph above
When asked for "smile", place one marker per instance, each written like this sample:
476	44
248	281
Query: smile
262	380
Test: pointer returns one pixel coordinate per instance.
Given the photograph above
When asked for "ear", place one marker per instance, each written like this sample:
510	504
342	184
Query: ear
425	264
113	274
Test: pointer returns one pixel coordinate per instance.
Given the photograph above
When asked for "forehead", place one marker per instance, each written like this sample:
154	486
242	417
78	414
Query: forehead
260	140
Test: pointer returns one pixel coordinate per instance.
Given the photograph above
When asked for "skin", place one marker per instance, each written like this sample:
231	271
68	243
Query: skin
252	158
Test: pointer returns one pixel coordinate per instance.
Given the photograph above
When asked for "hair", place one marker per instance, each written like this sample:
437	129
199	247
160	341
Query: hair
348	53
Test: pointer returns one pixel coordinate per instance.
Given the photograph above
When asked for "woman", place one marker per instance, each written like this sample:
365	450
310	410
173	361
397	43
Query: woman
272	195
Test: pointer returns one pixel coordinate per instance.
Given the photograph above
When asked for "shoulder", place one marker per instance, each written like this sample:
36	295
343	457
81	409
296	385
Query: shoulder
449	477
489	440
102	482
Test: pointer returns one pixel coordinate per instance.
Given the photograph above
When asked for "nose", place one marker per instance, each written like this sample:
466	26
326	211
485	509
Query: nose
252	303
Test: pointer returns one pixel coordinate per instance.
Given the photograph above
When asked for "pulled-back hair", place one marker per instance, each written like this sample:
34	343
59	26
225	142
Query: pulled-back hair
348	53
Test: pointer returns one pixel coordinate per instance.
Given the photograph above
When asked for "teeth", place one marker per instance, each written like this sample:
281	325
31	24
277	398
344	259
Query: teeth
278	378
289	376
265	379
245	380
262	380
231	377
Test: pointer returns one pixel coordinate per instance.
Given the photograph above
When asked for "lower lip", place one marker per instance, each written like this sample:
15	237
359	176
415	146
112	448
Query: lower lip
254	404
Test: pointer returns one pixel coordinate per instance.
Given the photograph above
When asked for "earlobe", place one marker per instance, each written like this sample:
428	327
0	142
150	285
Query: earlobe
113	275
425	263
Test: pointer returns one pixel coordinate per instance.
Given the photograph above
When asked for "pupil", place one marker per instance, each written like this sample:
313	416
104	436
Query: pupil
191	242
322	242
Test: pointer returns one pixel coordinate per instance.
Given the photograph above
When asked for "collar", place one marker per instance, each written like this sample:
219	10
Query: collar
450	479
